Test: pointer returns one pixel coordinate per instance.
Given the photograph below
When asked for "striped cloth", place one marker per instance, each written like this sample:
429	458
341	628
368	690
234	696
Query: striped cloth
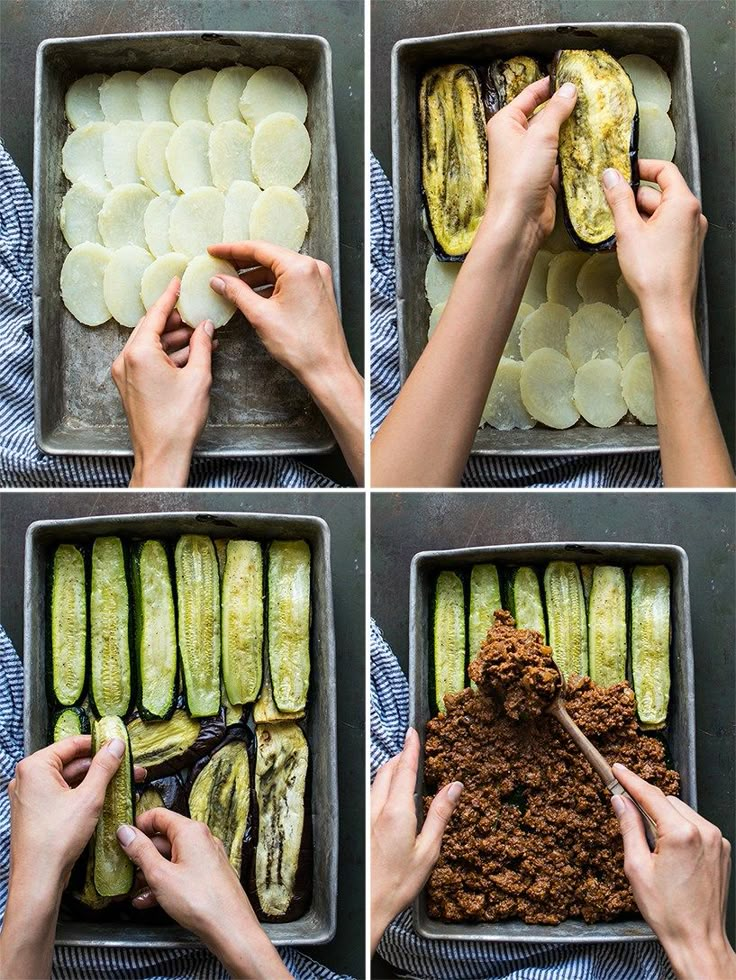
625	470
22	464
78	963
413	956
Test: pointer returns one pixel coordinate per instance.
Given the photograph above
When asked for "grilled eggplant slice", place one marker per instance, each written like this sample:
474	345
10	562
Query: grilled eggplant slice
603	131
198	601
289	614
67	659
506	78
169	792
155	630
454	157
242	621
109	619
165	747
113	868
70	721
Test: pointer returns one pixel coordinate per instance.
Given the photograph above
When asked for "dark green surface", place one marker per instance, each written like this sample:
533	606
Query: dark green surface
345	515
25	23
710	24
703	524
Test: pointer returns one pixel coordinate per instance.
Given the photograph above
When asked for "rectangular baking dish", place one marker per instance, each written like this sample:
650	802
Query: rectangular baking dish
318	924
257	407
670	45
680	725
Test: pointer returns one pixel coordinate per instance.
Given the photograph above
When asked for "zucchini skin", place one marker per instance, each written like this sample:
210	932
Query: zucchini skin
242	618
198	623
449	638
68	722
113	869
75	562
607	625
111	668
152	556
566	617
650	643
289	623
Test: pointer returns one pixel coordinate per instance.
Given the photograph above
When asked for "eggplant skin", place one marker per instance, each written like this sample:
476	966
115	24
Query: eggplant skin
507	77
454	157
602	132
165	747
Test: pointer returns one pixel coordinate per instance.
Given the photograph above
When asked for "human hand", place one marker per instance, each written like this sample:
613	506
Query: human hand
164	375
681	887
401	859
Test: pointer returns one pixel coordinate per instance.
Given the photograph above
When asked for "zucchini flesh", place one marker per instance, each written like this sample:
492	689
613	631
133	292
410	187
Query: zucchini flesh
607	625
198	599
88	895
485	599
525	600
113	868
109	614
70	721
68	626
155	631
566	617
288	623
449	637
220	797
242	621
265	709
650	643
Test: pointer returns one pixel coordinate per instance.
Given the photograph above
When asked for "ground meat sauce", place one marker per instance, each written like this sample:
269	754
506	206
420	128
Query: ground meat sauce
533	836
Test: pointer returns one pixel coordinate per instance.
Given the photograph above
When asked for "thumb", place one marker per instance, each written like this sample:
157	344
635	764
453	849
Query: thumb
101	770
200	347
247	300
142	851
636	849
620	199
438	816
557	109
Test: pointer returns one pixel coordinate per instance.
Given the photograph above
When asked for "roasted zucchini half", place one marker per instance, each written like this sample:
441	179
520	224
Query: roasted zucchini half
66	672
607	635
68	722
265	708
289	617
242	621
198	602
113	868
155	630
567	623
165	747
454	157
84	890
525	600
602	132
485	599
448	646
650	643
507	77
111	684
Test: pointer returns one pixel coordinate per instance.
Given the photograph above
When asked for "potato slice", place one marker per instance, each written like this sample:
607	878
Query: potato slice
631	339
439	278
597	279
121	218
120	152
82	101
157	276
151	156
197	300
196	221
597	393
547	385
78	214
657	138
434	318
223	102
189	94
279	216
562	278
281	151
638	389
81	156
229	153
119	96
536	288
559	240
187	156
81	283
651	82
122	284
512	348
627	302
272	89
593	333
154	91
239	201
156	223
504	409
546	326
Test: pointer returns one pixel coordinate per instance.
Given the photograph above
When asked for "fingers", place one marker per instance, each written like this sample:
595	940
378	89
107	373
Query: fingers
142	852
174	322
75	771
689	814
139	774
663	173
648	200
176	339
163	822
649	798
247	254
557	110
240	293
527	100
260	276
382	785
438	816
155	321
621	201
404	779
636	848
180	358
103	767
201	345
67	750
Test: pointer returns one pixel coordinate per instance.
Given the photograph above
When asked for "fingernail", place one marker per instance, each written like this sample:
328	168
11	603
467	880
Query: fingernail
126	835
621	766
611	177
407	736
116	747
218	285
209	328
567	91
144	893
453	793
619	807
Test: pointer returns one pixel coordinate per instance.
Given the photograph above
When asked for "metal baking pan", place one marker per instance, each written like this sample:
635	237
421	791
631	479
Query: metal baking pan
680	730
670	45
318	924
257	407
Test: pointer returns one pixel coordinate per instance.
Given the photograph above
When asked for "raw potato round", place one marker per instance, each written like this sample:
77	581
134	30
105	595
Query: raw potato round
81	282
81	156
536	288
546	326
562	278
281	151
594	331
434	318
504	408
82	101
439	279
196	221
154	89
188	98
224	98
627	302
156	223
512	348
547	385
597	279
239	201
187	156
272	89
651	82
598	393
638	389
657	139
151	157
78	214
197	300
122	284
159	274
229	153
279	216
120	152
631	339
121	217
119	96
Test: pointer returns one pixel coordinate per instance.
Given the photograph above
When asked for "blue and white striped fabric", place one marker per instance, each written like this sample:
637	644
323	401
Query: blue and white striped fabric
413	956
635	470
22	464
76	963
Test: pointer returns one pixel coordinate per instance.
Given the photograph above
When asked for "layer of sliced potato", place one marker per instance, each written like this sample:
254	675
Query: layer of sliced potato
122	284
223	102
188	155
81	155
536	288
657	138
154	91
239	200
597	279
196	221
82	101
281	151
547	386
229	153
594	331
156	223
547	326
434	318
197	300
562	277
119	96
638	389
189	94
121	218
81	283
120	152
439	278
278	216
157	276
631	338
597	393
78	214
627	302
504	408
651	82
512	348
151	156
272	89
